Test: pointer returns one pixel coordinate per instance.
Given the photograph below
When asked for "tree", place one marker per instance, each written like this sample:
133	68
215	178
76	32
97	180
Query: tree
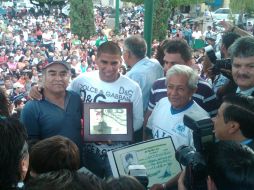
242	6
163	9
160	18
82	18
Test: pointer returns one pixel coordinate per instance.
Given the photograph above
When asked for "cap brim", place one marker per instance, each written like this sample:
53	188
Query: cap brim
58	62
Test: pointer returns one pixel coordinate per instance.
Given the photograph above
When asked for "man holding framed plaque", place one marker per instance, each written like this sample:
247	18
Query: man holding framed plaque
107	85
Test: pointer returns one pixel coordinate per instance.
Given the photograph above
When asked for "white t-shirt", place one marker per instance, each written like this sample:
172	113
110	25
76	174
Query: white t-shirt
164	123
196	34
92	89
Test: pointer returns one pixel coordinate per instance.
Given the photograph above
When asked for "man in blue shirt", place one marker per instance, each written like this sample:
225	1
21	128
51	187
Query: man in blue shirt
59	111
143	70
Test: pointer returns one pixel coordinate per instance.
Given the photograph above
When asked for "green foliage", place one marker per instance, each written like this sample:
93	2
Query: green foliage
160	17
238	6
161	13
82	18
171	3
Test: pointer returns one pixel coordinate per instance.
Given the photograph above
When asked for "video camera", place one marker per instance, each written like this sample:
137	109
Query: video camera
218	64
195	160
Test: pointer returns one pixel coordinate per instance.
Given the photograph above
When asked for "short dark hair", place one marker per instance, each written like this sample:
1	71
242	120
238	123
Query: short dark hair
110	48
240	109
125	183
59	153
231	166
160	51
63	179
179	46
229	38
136	45
29	74
13	148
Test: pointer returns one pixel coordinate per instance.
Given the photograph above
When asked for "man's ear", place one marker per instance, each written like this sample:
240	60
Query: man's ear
234	127
210	184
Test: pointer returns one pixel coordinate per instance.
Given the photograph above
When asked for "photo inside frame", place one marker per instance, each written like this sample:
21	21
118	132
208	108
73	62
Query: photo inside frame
108	121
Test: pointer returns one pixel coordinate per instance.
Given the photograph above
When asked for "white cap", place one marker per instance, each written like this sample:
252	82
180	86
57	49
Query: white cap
18	85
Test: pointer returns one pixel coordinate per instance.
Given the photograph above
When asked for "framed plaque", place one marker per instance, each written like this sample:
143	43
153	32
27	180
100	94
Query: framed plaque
108	122
157	155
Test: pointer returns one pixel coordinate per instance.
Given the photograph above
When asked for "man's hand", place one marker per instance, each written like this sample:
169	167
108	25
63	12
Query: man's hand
210	73
181	181
147	133
35	93
226	25
227	73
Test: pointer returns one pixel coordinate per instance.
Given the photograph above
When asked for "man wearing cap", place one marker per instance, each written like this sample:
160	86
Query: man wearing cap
18	92
106	85
59	111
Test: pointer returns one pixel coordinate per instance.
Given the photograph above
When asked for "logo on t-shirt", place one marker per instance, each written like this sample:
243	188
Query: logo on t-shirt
94	94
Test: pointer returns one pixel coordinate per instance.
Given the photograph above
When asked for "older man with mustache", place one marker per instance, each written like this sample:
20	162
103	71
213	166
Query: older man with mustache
242	55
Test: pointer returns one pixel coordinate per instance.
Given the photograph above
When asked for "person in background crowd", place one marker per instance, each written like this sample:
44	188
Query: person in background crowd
18	92
187	32
143	70
101	39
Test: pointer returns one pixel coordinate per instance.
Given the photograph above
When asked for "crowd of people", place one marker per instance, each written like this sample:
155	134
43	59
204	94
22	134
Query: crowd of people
48	74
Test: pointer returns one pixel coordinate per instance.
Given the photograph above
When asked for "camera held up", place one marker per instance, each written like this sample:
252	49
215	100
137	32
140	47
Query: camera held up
218	65
195	160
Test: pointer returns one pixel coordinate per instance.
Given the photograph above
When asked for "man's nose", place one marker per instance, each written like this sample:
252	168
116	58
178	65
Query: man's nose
243	70
173	91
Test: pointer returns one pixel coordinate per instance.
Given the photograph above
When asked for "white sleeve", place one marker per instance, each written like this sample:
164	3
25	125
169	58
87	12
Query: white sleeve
151	117
138	117
149	121
74	85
